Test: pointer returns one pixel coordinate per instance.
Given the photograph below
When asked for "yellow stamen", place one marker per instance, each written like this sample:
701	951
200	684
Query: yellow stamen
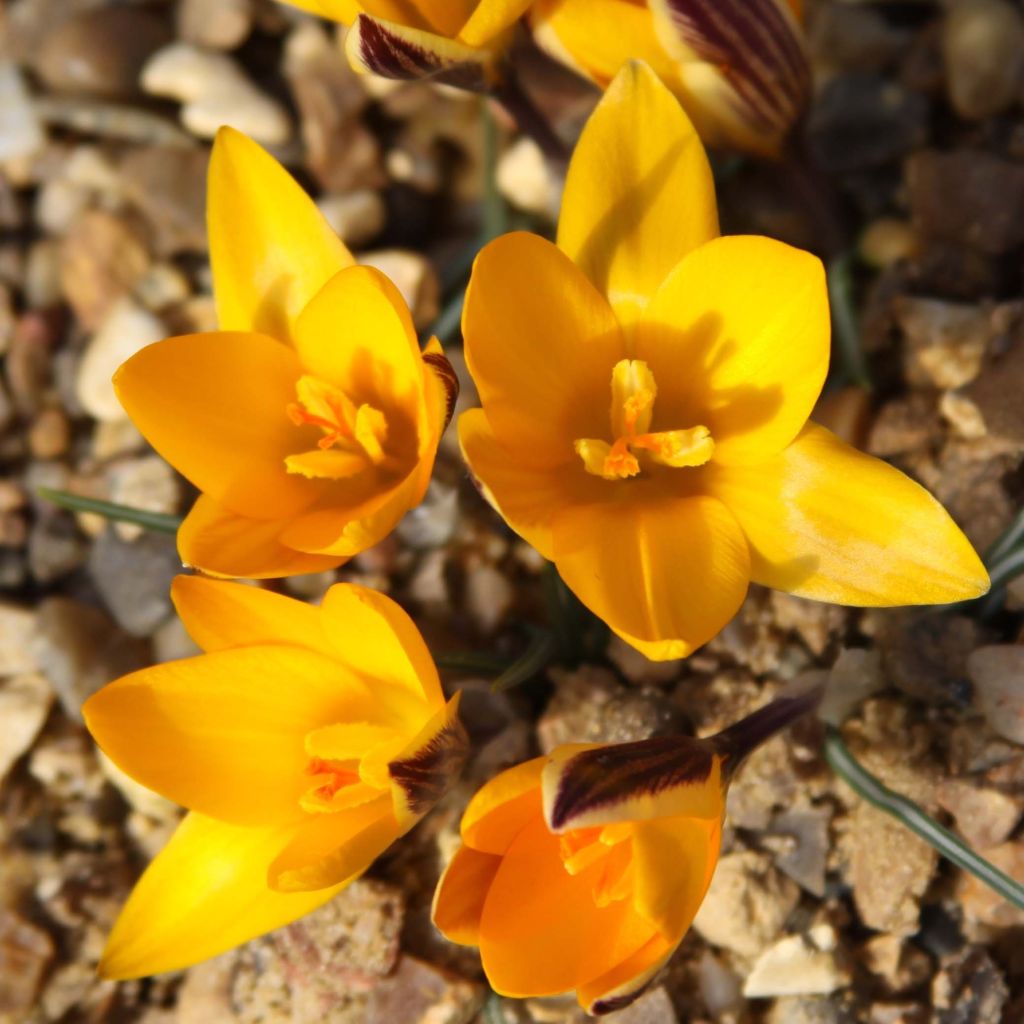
633	393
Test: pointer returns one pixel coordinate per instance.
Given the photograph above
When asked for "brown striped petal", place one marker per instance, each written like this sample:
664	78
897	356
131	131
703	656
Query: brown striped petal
755	48
395	51
444	372
425	770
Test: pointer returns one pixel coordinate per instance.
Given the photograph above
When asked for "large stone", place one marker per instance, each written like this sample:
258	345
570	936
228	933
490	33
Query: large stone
798	965
16	627
24	705
998	676
26	951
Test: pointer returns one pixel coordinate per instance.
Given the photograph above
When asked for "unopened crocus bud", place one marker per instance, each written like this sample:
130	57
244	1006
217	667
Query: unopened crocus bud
583	870
738	66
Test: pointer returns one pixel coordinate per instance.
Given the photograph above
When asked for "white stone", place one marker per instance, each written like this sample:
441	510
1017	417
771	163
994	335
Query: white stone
356	217
489	596
998	676
24	704
20	131
218	24
797	966
16	627
526	181
146	483
413	276
125	329
214	91
58	204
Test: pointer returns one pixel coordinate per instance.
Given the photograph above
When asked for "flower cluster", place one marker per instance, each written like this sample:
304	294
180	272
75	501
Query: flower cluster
646	387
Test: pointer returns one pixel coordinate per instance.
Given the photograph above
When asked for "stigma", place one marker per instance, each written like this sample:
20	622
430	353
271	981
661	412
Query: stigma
633	443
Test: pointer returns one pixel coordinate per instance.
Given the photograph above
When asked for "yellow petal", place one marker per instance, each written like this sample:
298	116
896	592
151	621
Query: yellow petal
540	343
356	335
205	892
214	406
425	769
596	37
525	494
665	574
639	193
271	250
489	19
670	776
461	893
222	543
502	807
674	859
377	640
738	339
330	849
541	931
220	615
393	50
222	733
827	522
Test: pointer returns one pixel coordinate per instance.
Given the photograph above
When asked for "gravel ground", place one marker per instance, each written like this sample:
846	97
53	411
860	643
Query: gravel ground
823	910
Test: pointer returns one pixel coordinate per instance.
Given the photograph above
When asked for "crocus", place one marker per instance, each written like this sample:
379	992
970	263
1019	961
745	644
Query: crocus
310	421
458	42
304	741
646	387
584	869
738	66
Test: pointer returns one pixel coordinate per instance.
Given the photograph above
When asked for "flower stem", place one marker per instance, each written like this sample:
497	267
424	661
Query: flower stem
157	522
511	95
846	330
471	662
541	649
908	813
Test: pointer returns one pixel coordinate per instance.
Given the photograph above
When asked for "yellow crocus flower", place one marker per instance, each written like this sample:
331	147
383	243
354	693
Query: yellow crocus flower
454	41
304	741
584	869
311	419
738	66
646	387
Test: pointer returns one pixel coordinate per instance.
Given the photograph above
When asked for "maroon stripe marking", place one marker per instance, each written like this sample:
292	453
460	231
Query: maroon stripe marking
426	775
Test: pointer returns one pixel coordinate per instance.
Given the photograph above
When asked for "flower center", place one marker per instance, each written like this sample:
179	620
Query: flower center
349	765
633	394
352	436
606	855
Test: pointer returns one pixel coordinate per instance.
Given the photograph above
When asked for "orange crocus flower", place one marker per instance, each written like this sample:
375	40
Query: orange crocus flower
646	387
311	419
458	42
739	67
584	869
304	741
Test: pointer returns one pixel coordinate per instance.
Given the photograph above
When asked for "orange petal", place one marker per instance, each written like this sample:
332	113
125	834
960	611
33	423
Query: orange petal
639	193
502	808
828	522
738	339
205	892
271	250
213	405
540	343
461	893
665	574
222	733
330	849
220	542
541	931
625	982
220	615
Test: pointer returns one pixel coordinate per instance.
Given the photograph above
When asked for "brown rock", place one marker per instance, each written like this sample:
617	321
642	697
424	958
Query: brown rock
988	214
24	704
998	676
25	954
985	817
997	390
50	434
981	905
970	989
945	341
168	186
900	965
102	258
101	51
904	425
420	993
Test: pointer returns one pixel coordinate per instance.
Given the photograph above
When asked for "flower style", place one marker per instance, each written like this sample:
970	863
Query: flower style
457	42
310	420
738	66
584	869
304	741
646	387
